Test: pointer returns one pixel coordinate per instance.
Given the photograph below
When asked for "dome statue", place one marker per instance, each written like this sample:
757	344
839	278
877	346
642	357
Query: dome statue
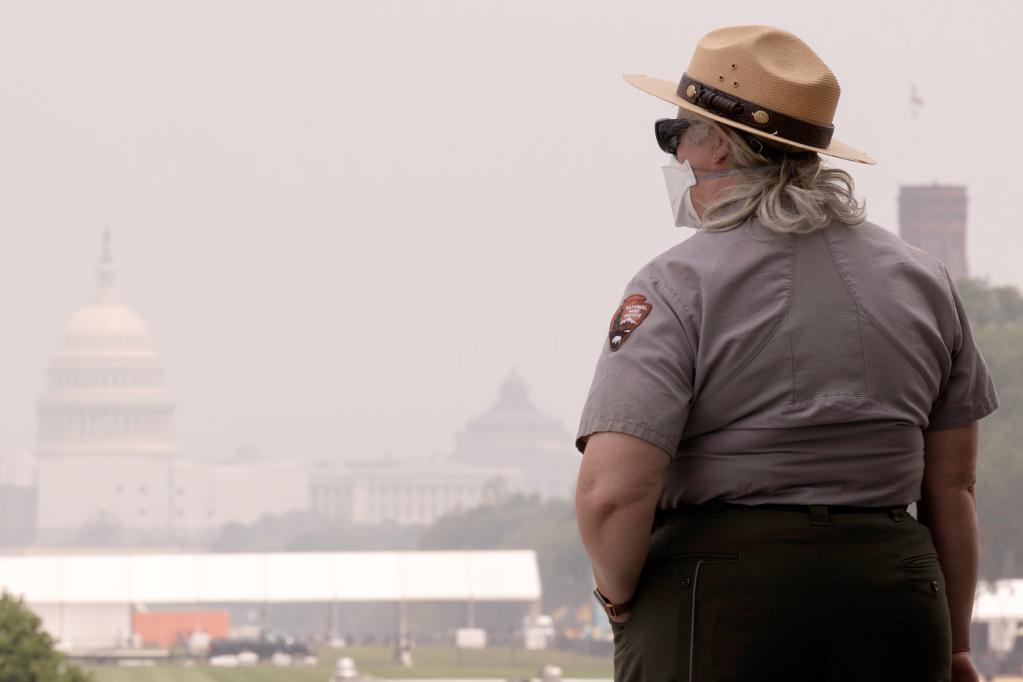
106	326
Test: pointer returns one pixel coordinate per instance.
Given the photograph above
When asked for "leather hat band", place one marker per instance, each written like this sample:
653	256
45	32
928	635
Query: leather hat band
748	113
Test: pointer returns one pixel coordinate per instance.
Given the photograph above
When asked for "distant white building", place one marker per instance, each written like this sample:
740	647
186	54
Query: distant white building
512	448
18	470
240	490
405	492
106	468
514	434
104	444
107	471
17	500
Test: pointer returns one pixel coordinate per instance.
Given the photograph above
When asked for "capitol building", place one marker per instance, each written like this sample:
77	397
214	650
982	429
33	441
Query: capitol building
106	472
105	446
106	467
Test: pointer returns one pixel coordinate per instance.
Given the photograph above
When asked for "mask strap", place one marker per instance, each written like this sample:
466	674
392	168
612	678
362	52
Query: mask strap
720	174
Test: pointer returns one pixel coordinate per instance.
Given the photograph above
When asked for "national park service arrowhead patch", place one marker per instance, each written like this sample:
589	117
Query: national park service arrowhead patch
628	317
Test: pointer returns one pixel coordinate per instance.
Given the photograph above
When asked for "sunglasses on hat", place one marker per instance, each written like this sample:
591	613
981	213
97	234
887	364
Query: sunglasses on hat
669	132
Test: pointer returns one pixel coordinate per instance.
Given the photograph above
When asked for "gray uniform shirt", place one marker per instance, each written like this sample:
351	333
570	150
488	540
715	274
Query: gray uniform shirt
796	369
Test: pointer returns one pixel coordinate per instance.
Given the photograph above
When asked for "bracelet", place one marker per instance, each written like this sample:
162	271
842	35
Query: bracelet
961	649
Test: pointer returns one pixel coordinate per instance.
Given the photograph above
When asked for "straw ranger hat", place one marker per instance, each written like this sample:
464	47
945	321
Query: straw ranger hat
763	81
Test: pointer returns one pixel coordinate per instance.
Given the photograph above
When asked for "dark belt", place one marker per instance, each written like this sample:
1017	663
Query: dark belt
818	513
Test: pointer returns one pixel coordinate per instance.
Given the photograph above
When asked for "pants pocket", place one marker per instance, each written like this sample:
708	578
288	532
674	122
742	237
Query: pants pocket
923	573
920	561
681	609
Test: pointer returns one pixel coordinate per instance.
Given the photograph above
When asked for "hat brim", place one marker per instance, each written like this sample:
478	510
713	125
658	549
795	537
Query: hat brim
666	90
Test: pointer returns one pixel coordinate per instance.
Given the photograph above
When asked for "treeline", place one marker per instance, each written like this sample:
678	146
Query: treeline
996	315
512	522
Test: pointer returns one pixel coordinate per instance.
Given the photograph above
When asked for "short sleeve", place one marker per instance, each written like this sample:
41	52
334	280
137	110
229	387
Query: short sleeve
643	383
968	393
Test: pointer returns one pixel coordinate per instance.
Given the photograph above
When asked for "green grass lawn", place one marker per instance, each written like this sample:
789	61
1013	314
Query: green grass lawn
430	662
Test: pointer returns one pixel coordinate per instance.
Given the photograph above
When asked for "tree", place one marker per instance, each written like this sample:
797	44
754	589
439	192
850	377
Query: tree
996	316
26	651
304	531
1000	465
987	305
518	522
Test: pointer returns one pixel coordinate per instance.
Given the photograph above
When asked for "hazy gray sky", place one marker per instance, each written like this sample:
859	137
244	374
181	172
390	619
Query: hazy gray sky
346	221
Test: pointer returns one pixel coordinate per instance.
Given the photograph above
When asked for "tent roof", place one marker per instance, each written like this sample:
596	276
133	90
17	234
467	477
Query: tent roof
1002	599
500	576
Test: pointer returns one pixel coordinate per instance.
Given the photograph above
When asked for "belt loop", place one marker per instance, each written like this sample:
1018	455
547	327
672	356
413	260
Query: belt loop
818	515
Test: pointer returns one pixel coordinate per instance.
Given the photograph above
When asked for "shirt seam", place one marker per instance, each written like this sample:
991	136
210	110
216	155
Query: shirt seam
859	325
657	281
850	289
774	332
859	311
959	331
844	395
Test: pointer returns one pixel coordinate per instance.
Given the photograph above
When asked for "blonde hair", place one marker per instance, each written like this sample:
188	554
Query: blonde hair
788	189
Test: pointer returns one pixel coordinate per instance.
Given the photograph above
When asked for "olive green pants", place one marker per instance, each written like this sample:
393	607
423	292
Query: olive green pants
795	594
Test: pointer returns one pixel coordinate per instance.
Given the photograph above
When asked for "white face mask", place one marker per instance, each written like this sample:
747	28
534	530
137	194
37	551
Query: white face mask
680	179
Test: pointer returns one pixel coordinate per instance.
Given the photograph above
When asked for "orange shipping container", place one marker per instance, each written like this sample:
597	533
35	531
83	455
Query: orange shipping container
167	628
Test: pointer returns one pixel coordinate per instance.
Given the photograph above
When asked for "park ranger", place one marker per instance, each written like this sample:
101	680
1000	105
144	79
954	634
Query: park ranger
771	395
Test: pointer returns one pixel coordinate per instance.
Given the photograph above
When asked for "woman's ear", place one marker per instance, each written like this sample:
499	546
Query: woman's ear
721	149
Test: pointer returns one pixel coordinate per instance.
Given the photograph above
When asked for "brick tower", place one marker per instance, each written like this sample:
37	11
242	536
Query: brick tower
933	218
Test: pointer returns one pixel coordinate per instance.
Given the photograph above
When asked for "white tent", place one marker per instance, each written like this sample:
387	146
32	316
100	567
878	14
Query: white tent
279	577
1000	599
89	598
1000	604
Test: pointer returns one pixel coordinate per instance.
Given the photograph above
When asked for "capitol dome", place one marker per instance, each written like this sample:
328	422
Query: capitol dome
515	434
513	414
106	326
106	387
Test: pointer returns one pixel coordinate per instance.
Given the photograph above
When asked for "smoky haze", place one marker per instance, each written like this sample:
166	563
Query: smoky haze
346	223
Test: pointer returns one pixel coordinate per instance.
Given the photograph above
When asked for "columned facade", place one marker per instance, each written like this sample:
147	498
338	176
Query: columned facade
104	439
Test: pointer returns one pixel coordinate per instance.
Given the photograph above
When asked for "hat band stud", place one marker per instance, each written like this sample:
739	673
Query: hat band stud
754	115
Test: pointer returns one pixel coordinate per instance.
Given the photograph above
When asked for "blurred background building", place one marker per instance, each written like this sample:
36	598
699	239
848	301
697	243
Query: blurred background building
17	499
512	448
514	434
933	218
106	472
241	489
405	492
104	444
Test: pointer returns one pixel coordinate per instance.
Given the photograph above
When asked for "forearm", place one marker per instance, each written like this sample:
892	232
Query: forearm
617	539
951	516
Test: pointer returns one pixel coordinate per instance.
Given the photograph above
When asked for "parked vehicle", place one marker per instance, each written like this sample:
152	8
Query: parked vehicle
265	646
